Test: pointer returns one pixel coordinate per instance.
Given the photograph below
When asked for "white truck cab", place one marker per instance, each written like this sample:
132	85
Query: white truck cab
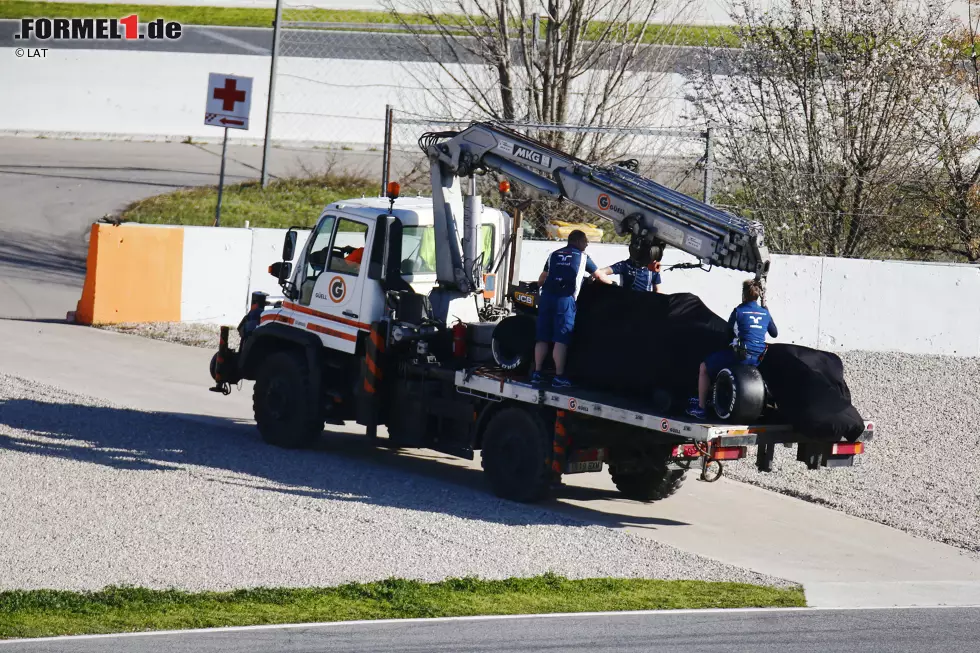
335	296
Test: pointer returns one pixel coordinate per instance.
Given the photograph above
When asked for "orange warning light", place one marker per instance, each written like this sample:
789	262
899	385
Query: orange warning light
504	186
394	188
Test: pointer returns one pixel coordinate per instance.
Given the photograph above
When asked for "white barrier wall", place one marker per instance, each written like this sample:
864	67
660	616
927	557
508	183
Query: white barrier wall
213	285
900	306
831	304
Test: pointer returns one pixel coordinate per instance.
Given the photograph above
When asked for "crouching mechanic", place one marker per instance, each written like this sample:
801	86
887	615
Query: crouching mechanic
560	282
642	278
748	325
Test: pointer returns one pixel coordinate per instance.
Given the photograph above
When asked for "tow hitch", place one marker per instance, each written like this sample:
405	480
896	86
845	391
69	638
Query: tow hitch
710	455
222	364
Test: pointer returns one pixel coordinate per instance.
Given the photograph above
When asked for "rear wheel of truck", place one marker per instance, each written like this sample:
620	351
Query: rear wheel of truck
516	455
650	485
281	404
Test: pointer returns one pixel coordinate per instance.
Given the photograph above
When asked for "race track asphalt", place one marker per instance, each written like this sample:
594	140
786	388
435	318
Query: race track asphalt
51	191
754	631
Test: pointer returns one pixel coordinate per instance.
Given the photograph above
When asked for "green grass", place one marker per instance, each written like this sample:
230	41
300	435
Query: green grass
257	17
40	613
281	204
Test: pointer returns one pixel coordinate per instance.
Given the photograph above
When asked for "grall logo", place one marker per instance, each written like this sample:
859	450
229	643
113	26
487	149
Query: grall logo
603	202
97	29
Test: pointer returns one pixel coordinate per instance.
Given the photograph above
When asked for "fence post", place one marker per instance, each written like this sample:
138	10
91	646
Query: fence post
708	164
272	94
386	153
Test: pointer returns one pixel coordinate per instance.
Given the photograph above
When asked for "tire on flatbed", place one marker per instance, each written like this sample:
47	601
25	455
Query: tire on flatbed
284	414
653	484
738	394
516	454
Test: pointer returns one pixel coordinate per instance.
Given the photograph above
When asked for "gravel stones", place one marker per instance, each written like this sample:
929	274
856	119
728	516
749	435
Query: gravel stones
920	473
93	495
184	333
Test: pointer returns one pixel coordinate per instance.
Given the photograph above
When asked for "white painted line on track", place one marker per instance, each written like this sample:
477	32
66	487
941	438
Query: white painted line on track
498	617
231	40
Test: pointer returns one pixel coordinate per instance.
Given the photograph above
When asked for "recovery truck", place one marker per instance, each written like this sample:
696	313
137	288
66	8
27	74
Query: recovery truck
388	319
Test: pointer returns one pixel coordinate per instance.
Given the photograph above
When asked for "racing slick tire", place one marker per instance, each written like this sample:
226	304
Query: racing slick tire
739	394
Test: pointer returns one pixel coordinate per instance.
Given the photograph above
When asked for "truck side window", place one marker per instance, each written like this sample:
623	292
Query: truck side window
348	247
317	251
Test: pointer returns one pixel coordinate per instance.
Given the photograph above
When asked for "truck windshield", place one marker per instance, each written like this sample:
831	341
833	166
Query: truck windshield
419	249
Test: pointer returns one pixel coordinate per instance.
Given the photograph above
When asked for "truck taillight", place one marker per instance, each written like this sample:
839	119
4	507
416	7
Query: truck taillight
847	448
685	451
728	453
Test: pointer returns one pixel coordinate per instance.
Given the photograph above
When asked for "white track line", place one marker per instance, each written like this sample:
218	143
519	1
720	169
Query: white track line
502	617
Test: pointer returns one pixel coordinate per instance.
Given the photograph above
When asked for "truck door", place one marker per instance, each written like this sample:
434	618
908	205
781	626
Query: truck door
330	295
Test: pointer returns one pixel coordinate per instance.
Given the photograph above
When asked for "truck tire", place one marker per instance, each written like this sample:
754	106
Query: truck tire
653	484
281	404
512	343
739	394
516	451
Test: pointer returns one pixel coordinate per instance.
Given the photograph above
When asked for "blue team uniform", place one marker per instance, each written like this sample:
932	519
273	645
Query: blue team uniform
636	277
748	325
556	307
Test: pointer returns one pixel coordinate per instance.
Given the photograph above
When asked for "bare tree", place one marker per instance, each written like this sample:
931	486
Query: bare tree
820	118
950	190
553	62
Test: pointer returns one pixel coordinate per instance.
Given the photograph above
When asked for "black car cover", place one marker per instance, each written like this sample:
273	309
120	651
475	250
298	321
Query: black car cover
638	343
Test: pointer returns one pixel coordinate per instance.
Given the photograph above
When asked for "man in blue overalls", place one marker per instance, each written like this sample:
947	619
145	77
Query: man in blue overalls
748	325
632	275
560	282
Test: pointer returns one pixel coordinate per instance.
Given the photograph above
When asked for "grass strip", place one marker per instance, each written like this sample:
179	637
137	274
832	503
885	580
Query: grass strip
41	613
282	204
259	17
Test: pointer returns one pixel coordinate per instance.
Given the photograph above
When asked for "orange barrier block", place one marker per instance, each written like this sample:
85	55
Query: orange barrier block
134	274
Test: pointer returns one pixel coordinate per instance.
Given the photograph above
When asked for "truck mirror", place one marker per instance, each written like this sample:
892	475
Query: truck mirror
281	270
289	245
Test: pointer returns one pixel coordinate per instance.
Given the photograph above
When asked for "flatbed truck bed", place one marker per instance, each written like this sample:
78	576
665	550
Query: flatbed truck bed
708	441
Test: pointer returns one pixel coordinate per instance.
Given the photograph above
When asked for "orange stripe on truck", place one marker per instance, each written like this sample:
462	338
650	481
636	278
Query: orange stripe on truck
326	316
133	274
331	332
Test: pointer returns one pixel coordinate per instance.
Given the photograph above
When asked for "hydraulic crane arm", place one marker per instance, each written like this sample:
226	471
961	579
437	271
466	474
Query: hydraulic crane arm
654	215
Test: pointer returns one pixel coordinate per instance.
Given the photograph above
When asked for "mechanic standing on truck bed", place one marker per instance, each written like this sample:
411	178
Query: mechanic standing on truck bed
748	325
560	282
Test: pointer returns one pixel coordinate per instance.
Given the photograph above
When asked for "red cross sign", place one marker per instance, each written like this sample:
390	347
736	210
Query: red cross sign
229	101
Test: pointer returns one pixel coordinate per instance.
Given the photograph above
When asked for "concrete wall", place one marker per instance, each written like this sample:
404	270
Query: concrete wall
831	304
834	304
213	284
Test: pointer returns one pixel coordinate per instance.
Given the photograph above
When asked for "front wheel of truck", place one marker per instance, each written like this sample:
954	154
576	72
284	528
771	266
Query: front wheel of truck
280	402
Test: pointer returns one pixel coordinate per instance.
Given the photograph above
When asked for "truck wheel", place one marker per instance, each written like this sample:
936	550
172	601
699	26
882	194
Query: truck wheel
516	455
280	402
739	394
651	485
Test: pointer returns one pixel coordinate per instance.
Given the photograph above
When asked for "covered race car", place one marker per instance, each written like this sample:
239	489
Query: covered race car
651	345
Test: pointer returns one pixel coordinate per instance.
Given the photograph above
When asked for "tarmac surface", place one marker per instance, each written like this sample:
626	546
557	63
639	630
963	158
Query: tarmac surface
731	631
51	191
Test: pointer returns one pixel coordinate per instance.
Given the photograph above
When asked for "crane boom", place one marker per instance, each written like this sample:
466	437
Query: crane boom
651	213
